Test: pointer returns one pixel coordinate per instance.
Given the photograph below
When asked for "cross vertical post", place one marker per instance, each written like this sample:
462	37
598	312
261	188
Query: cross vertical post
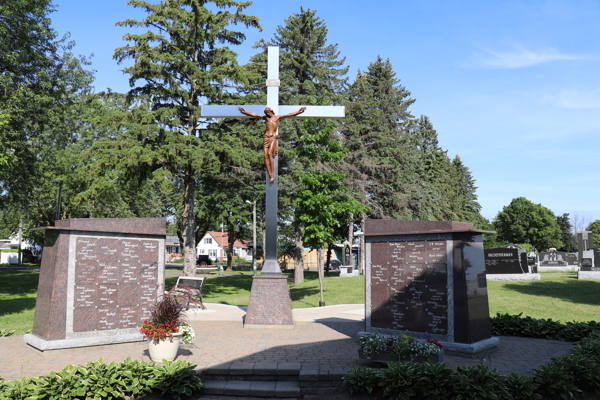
270	303
270	264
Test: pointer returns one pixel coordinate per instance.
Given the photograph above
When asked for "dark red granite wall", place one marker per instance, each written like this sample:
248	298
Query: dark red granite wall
51	301
140	226
269	301
115	282
409	286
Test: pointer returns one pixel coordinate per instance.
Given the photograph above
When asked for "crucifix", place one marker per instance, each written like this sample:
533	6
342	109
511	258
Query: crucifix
272	112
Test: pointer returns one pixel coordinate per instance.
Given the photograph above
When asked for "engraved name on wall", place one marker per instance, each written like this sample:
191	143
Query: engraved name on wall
115	282
409	286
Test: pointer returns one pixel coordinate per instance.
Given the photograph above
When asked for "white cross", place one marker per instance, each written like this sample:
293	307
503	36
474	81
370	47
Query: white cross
270	265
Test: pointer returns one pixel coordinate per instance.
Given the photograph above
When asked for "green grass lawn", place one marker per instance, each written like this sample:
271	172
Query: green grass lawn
559	295
234	289
17	299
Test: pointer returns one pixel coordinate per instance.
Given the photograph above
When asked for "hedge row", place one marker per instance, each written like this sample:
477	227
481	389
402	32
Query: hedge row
568	377
514	325
98	380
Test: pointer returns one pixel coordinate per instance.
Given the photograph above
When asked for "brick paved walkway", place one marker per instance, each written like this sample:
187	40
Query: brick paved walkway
323	337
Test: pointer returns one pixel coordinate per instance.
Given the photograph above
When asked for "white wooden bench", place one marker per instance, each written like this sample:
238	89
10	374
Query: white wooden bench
208	270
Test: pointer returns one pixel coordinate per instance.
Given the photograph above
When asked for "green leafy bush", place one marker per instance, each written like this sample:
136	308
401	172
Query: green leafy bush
178	378
514	325
361	380
98	380
480	382
435	381
555	382
522	387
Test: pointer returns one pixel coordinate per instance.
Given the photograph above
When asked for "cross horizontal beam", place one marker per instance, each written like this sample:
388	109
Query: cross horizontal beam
311	111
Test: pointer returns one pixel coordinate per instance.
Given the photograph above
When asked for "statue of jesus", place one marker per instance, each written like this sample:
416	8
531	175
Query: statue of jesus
271	136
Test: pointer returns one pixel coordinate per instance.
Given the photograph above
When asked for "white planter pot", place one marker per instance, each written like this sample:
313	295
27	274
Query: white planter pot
165	349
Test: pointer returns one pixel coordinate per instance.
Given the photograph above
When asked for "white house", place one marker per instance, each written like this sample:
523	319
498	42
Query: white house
215	244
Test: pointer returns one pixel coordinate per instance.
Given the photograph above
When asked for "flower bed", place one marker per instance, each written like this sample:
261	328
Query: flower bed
378	348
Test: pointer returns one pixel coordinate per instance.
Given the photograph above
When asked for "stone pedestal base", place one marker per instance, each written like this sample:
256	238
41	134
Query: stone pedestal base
512	277
594	275
43	344
270	304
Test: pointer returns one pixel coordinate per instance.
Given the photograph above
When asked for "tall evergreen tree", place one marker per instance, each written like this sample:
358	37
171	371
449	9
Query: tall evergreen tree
178	64
568	239
377	133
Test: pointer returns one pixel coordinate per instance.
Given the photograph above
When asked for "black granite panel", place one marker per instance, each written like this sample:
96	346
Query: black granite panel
478	325
409	286
503	261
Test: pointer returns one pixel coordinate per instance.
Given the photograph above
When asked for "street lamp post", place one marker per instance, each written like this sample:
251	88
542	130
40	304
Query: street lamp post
253	236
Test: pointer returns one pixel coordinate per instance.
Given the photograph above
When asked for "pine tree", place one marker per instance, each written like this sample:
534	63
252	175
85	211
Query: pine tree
178	64
376	131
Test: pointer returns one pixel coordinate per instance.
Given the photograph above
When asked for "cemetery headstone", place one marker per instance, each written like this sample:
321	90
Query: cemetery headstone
553	259
427	279
503	260
573	258
347	254
98	278
585	240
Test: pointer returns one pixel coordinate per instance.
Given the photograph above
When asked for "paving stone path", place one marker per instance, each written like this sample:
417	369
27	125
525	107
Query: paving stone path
324	339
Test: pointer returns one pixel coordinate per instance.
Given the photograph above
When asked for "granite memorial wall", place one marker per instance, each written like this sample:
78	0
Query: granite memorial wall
98	278
427	279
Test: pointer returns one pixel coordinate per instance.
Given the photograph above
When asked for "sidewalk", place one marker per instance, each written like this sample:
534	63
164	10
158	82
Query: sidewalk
324	336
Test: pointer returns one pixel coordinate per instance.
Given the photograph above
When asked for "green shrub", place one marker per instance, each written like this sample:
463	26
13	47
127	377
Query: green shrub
98	380
479	382
398	380
522	387
555	382
435	381
178	379
26	256
361	380
514	325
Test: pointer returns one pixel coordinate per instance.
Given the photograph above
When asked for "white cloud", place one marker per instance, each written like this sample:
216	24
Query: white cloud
520	57
575	99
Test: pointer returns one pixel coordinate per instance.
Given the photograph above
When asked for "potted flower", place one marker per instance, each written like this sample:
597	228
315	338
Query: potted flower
166	327
429	351
377	348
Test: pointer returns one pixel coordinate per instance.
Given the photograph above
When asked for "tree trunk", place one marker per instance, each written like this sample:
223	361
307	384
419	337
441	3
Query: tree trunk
320	257
299	254
189	222
363	258
351	230
231	241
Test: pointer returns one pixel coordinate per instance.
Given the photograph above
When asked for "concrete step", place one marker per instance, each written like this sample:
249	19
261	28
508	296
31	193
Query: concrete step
225	397
252	389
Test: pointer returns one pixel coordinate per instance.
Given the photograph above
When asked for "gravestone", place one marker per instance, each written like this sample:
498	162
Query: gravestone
98	278
347	255
573	258
585	240
553	259
503	260
427	279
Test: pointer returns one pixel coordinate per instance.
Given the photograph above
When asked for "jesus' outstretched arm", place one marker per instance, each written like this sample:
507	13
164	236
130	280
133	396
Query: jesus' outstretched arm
300	111
250	114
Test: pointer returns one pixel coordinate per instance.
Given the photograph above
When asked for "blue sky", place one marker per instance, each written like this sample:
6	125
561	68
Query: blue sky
513	87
